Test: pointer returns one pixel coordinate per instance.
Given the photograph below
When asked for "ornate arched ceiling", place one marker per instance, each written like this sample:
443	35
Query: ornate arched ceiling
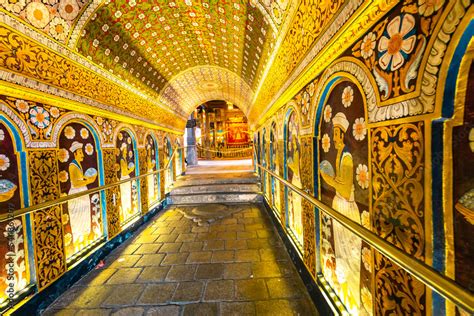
153	44
204	83
184	52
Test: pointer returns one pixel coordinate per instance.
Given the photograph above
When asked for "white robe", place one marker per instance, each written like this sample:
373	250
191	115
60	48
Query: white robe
347	245
126	197
79	211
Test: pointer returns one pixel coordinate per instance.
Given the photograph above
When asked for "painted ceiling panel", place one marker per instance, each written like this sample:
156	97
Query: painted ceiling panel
310	20
185	52
201	84
148	43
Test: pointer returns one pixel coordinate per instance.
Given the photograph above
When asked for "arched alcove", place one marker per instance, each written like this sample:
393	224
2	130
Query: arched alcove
292	173
80	169
16	272
341	179
127	161
152	165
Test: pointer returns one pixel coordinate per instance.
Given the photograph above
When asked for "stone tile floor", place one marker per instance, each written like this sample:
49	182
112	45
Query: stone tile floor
235	266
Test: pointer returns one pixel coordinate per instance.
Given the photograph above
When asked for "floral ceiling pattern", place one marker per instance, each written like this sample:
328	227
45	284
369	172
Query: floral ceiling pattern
150	43
201	84
153	45
188	51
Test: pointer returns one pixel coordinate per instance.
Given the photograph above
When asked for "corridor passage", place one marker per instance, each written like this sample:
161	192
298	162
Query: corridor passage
204	259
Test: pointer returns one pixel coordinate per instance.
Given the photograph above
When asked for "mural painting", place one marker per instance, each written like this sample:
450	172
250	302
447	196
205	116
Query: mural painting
344	185
264	152
275	184
237	133
168	151
293	174
151	164
178	160
126	160
463	191
13	251
78	172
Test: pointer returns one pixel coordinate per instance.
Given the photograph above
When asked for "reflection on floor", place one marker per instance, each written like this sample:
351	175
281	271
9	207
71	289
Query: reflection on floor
237	265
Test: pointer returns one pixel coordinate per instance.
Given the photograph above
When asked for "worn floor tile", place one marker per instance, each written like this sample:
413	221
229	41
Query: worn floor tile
219	290
238	309
235	266
93	312
125	275
210	271
253	289
147	249
168	247
274	307
153	274
188	292
175	258
191	246
199	257
238	270
150	260
127	311
201	309
284	288
123	294
155	294
223	256
181	272
169	310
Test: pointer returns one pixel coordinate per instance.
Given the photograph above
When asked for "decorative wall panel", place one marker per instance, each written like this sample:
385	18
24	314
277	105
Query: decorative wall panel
127	160
293	174
39	63
151	166
112	194
47	229
78	172
142	162
396	291
398	182
275	167
281	187
309	228
13	250
161	160
344	184
463	188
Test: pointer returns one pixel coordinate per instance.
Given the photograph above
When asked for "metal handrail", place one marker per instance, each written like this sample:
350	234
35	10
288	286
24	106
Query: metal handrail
61	200
420	270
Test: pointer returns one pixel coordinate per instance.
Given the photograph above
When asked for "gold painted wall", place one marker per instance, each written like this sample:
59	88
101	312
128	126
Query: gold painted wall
67	152
400	98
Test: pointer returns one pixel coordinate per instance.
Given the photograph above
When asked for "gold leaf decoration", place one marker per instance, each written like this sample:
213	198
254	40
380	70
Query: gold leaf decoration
47	230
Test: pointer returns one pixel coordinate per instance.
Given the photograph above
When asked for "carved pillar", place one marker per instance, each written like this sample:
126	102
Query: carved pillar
306	167
143	181
50	257
112	194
